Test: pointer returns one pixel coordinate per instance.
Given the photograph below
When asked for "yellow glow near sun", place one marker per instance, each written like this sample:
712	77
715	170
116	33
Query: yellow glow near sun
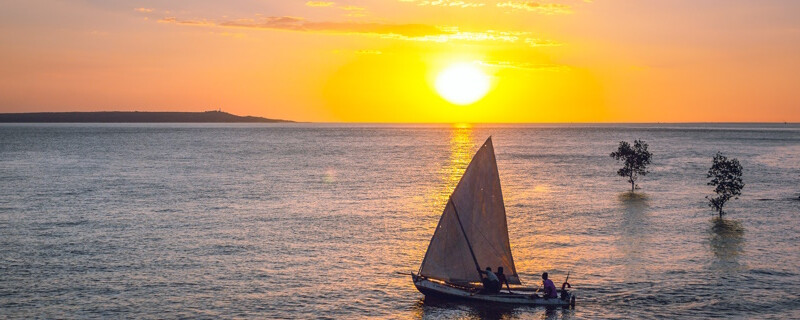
462	84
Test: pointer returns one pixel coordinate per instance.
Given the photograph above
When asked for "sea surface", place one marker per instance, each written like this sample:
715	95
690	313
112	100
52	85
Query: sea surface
316	220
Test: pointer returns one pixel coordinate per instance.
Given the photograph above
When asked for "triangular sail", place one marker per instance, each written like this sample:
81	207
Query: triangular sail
477	202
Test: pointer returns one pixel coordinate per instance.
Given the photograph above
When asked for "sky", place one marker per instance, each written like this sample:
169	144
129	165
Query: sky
378	60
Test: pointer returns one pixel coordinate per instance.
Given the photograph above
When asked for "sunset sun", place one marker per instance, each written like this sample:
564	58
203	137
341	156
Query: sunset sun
462	84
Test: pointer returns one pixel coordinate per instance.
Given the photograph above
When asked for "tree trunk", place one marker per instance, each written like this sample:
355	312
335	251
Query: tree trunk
632	183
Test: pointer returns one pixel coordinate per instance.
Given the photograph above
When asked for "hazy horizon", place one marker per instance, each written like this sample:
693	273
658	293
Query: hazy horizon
429	123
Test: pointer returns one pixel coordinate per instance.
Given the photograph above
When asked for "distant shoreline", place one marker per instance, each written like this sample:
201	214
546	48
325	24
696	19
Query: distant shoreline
133	117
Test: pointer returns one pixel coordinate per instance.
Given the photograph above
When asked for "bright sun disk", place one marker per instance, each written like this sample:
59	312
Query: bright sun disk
462	84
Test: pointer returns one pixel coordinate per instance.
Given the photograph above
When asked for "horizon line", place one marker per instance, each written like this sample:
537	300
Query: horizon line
432	122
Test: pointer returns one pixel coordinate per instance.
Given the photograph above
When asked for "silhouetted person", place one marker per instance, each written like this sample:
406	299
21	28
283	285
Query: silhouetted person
502	277
549	287
564	294
491	284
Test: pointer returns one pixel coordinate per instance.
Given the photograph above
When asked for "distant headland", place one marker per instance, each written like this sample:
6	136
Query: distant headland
132	117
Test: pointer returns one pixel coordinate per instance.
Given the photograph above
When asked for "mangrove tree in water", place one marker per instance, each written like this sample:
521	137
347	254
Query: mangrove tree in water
726	178
636	160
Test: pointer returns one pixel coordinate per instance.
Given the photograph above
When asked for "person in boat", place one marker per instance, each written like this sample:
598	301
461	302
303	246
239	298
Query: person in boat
549	287
564	292
502	277
491	284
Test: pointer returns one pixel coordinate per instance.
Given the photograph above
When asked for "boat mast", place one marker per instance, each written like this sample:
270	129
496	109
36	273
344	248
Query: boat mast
477	266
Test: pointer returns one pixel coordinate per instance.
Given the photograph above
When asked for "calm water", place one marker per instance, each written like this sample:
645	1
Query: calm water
286	221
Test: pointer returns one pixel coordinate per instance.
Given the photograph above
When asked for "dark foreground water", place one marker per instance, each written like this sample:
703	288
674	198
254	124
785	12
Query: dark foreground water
303	221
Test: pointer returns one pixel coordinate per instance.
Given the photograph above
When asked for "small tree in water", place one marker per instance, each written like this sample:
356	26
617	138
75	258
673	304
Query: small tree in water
636	160
726	177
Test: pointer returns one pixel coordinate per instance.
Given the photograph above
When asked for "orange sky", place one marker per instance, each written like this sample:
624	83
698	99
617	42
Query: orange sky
376	61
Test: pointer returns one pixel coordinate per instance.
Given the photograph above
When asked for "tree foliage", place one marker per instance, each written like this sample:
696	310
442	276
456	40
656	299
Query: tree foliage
726	177
636	159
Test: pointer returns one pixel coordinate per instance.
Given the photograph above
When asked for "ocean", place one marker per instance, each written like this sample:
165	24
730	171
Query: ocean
316	220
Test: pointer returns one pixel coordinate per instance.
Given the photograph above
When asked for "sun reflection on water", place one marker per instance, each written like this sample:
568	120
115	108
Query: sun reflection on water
430	206
461	149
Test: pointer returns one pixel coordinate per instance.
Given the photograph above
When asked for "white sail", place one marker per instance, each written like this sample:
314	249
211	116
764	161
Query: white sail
474	218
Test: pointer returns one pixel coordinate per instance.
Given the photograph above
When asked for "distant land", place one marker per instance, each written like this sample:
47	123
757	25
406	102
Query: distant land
132	116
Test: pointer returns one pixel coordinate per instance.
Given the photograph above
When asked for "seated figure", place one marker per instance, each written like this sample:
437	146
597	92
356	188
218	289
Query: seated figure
491	284
549	287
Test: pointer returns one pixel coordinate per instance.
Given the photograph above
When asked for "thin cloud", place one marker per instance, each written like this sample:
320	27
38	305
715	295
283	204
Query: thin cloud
406	32
355	11
320	3
143	10
542	8
455	34
300	24
175	20
451	3
523	66
447	3
536	42
352	11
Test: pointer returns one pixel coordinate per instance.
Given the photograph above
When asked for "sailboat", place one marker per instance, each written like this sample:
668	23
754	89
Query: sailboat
472	234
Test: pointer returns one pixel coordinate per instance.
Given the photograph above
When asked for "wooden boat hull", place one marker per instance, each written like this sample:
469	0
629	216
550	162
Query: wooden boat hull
444	291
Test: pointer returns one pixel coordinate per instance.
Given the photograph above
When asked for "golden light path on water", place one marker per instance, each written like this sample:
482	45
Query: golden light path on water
461	148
